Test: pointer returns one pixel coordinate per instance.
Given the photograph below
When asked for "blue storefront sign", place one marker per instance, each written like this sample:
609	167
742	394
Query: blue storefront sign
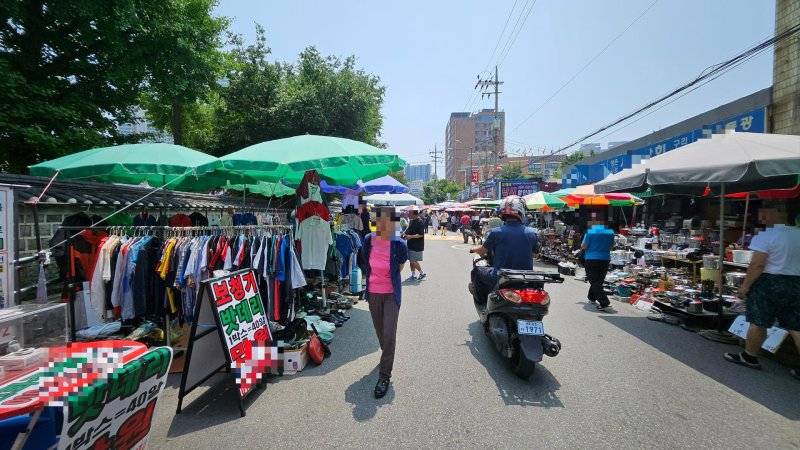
488	190
518	187
754	121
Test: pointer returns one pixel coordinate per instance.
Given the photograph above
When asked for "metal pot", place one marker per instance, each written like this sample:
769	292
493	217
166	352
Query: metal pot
694	307
742	256
711	262
734	279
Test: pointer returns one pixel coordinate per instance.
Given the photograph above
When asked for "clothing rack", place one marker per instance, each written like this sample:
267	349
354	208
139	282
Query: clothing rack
70	282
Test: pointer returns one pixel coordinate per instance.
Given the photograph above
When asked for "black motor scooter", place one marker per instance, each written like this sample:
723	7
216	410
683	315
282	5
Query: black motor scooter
512	316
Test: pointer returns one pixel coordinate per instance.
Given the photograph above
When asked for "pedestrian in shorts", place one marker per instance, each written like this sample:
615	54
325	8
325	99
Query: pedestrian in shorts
415	238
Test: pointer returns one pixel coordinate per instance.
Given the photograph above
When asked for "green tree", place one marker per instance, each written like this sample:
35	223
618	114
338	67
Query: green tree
180	80
400	176
511	172
575	158
317	95
69	70
447	189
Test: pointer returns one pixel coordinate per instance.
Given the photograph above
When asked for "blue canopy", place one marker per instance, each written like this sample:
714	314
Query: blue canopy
378	186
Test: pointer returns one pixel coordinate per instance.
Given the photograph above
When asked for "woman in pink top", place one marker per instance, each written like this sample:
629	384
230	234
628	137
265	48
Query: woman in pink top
385	254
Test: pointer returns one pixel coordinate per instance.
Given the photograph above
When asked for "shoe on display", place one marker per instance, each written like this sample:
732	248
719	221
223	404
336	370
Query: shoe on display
381	388
737	358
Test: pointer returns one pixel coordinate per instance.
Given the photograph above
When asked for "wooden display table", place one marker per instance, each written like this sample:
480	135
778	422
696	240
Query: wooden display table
676	260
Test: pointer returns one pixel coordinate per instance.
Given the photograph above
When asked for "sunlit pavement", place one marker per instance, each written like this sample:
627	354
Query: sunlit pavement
621	381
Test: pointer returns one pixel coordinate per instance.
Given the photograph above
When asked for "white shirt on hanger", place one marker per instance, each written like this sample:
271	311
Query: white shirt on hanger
315	238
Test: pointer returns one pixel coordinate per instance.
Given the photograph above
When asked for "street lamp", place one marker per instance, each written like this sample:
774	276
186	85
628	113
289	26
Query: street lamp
470	165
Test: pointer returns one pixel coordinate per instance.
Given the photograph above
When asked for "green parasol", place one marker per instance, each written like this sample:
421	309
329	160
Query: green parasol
155	164
339	161
263	188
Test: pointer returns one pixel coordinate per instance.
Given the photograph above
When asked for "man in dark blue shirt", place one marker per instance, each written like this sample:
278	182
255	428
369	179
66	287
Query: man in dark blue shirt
513	246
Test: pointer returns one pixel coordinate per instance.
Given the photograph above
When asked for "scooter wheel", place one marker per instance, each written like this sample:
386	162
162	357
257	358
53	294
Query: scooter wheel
520	365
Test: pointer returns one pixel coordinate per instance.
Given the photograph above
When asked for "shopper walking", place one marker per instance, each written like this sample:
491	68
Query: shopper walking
435	221
443	223
771	288
597	250
415	238
386	254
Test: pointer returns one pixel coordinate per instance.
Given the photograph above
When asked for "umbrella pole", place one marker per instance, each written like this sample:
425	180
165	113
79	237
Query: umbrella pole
633	216
744	222
720	334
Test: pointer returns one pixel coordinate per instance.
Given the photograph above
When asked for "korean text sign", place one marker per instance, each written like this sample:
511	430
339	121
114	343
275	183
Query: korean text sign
117	412
241	315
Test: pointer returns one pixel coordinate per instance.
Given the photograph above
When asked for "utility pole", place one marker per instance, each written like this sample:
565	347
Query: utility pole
436	158
485	85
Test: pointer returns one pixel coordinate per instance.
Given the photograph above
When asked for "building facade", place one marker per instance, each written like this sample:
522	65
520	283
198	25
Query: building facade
478	136
142	126
416	172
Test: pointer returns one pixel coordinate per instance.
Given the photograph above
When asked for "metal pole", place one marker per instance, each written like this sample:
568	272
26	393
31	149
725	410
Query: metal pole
744	223
721	249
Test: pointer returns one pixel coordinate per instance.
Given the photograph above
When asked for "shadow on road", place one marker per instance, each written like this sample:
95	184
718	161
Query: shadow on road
592	308
772	387
538	391
361	395
218	404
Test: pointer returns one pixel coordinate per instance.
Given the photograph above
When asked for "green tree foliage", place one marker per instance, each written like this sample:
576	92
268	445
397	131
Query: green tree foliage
575	158
68	69
447	189
180	81
317	95
71	71
400	176
510	172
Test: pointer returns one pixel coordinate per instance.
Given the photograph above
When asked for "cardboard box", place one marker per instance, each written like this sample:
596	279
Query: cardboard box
295	360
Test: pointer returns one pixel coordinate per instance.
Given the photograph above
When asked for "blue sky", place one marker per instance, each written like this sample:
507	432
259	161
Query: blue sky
428	54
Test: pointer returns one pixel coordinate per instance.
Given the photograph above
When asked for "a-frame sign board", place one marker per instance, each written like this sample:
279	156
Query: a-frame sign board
229	314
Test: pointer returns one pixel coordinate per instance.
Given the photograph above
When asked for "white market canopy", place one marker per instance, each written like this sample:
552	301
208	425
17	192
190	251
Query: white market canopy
393	199
740	161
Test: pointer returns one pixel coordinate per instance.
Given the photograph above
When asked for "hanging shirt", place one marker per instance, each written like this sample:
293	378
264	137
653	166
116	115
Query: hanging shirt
315	237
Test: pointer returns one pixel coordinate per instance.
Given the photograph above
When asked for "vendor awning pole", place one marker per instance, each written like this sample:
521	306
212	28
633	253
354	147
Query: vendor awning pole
721	248
744	222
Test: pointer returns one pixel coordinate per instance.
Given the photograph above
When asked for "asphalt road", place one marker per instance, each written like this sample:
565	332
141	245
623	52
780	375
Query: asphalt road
621	381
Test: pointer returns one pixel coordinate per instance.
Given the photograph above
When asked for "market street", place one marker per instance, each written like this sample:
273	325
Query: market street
621	381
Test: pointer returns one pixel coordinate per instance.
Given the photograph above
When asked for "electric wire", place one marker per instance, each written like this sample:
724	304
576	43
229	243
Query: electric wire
503	56
710	73
568	82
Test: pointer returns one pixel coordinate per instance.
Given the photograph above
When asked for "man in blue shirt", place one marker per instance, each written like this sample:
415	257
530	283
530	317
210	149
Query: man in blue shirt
597	250
513	246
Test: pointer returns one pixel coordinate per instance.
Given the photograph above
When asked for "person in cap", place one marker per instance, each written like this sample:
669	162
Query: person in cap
415	238
513	246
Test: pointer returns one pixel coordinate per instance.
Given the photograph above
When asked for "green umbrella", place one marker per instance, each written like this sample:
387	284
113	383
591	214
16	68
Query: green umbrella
543	201
339	161
563	192
131	164
485	204
263	188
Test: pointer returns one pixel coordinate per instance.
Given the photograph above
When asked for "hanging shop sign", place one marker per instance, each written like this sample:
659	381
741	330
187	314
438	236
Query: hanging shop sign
518	187
118	410
754	121
230	330
488	190
475	176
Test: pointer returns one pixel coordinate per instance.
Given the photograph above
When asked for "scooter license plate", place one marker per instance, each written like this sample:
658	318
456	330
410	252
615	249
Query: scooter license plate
530	327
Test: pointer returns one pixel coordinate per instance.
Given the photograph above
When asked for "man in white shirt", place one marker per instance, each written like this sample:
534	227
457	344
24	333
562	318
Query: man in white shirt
772	286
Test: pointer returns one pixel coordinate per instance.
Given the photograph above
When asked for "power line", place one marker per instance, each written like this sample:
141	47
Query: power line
585	66
706	76
503	56
502	33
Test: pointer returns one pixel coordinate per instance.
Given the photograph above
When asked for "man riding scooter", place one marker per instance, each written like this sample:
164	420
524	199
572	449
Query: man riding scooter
513	246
